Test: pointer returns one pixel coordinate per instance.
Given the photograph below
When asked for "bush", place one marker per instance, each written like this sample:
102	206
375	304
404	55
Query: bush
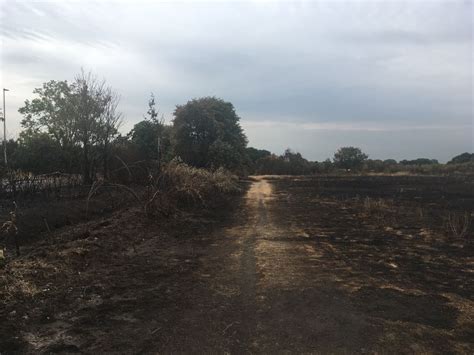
180	185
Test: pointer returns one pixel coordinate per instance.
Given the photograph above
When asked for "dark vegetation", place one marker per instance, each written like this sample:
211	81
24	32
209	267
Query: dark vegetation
73	128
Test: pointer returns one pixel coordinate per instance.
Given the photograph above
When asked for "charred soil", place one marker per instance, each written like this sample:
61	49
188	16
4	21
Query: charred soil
300	264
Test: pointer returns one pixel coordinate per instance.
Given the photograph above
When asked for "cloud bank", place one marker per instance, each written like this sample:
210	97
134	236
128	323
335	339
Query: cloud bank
392	77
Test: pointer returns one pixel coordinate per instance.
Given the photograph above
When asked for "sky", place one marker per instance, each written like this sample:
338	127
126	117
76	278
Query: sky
394	78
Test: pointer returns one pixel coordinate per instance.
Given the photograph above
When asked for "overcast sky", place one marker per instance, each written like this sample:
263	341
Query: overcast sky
394	78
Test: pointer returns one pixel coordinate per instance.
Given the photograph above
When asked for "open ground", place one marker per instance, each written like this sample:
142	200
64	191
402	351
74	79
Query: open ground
298	264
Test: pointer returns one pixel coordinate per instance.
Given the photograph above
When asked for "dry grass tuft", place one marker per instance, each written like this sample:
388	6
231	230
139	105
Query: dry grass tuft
458	224
182	185
10	229
372	205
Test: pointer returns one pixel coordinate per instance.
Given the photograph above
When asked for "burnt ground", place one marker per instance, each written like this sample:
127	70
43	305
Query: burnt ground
340	265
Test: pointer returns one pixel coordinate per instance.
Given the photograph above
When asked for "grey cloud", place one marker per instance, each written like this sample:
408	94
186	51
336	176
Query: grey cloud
308	62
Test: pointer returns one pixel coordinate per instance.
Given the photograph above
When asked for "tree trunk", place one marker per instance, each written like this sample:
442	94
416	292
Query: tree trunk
106	161
86	176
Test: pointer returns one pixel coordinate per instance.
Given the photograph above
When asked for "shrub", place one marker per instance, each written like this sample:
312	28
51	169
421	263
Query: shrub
189	185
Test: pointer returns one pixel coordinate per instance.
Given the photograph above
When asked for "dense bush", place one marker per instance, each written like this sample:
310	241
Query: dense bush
196	184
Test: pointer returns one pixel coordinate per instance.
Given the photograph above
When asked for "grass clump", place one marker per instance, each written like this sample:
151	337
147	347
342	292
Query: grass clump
180	185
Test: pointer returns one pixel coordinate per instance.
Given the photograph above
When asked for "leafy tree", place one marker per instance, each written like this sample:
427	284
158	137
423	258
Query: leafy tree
349	158
462	158
289	163
203	126
51	112
326	166
255	154
419	161
388	162
39	153
145	135
81	114
152	136
271	164
223	154
295	163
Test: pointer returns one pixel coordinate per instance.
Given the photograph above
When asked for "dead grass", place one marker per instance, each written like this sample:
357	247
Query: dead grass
180	185
458	224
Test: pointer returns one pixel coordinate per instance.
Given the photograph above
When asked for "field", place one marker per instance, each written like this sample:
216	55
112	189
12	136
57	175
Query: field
348	264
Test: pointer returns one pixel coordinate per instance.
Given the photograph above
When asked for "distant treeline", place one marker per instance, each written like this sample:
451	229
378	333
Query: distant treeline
351	159
74	128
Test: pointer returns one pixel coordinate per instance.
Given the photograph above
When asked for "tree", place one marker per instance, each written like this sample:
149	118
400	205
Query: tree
419	161
253	157
204	126
152	137
255	154
39	153
289	163
82	114
295	163
149	135
462	158
51	112
349	158
389	162
109	122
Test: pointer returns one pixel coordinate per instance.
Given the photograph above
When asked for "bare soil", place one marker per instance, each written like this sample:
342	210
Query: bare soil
313	265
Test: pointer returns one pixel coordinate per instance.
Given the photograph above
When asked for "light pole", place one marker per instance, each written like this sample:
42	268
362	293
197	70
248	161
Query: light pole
4	129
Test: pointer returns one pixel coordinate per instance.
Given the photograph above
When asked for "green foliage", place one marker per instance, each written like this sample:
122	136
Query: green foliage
349	158
389	162
77	116
151	136
145	135
253	157
462	158
39	153
290	163
202	127
51	112
256	154
419	161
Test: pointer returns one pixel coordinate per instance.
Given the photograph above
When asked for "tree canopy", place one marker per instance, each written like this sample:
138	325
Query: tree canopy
462	158
349	158
207	133
80	114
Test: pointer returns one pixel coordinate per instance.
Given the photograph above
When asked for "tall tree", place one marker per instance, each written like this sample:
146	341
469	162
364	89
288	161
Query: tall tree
52	113
349	158
151	135
109	122
207	133
81	114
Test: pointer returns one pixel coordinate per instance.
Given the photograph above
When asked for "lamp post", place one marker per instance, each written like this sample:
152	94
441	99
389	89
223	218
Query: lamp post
4	129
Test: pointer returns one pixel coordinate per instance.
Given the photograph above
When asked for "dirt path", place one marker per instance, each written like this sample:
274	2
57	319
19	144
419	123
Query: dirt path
255	283
276	299
292	308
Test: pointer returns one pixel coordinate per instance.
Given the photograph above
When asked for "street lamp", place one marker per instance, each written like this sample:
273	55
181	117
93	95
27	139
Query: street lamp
4	129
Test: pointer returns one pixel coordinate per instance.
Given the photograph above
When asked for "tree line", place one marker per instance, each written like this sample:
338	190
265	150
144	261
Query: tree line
74	128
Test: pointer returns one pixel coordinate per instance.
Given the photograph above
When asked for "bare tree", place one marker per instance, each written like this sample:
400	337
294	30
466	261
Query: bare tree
109	122
97	119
